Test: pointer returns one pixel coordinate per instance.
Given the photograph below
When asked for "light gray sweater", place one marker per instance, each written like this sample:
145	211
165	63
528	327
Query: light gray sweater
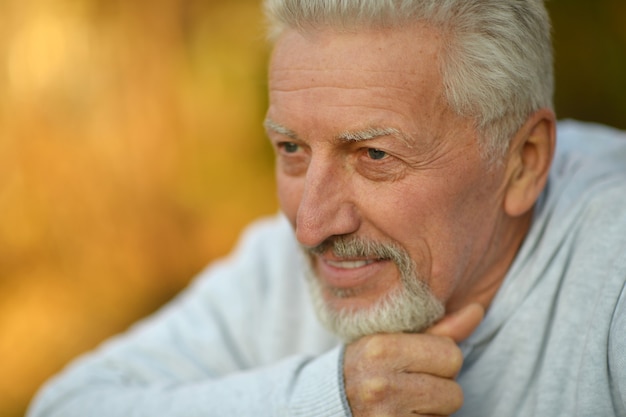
243	340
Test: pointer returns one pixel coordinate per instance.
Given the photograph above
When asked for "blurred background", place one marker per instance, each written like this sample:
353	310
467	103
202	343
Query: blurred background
132	154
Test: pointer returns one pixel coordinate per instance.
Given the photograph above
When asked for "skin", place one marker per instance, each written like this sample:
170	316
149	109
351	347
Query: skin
367	146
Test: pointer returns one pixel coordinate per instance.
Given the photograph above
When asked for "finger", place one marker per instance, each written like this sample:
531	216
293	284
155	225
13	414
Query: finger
431	395
459	325
407	394
410	353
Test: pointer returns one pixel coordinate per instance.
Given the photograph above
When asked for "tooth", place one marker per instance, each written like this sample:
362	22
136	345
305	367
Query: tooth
349	264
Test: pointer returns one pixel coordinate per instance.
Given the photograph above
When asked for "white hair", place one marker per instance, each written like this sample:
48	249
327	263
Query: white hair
497	59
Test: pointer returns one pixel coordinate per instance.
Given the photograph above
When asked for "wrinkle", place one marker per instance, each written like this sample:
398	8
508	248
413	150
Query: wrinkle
341	86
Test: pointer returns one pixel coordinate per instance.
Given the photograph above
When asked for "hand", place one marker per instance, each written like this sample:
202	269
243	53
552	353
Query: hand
404	374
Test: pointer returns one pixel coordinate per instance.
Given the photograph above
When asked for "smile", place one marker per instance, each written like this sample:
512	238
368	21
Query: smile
350	264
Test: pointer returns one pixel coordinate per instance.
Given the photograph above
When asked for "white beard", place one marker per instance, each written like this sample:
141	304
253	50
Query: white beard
409	308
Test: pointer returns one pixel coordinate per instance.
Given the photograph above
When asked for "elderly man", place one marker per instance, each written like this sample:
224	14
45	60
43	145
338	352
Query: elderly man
415	143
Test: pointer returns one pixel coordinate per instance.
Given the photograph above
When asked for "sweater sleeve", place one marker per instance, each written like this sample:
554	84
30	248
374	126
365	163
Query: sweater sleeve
240	341
294	387
617	355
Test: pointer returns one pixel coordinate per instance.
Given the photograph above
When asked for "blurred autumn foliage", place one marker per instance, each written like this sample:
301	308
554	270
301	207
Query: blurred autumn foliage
131	155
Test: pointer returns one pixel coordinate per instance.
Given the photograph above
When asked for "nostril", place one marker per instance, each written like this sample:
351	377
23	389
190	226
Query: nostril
310	232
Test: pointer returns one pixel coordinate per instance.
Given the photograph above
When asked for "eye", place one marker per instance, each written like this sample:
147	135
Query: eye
292	158
376	154
289	147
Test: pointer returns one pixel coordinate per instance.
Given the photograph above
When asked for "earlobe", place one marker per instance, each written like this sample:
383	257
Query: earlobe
529	160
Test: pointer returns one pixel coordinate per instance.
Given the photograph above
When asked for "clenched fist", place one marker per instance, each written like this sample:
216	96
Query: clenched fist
404	374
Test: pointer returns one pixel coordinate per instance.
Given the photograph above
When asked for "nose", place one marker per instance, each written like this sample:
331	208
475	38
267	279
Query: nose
327	207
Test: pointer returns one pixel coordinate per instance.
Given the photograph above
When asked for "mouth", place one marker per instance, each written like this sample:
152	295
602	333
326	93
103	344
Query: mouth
349	273
356	266
350	264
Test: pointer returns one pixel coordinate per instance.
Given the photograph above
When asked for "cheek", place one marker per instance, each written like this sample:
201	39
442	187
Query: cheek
430	224
289	195
462	234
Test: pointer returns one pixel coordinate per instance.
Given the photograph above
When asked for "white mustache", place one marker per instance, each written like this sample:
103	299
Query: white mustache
356	247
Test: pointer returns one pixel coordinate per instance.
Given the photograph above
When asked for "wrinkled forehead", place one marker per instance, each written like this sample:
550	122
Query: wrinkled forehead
411	50
357	80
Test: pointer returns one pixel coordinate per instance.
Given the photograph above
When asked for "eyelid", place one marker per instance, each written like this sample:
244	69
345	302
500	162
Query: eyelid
365	148
369	155
285	143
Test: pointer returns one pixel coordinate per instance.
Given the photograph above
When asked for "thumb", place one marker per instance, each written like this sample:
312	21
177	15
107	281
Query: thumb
459	325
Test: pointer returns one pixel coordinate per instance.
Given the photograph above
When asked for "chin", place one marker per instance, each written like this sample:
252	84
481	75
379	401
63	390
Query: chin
350	315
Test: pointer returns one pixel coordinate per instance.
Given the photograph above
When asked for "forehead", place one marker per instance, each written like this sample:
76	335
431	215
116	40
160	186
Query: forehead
376	75
406	48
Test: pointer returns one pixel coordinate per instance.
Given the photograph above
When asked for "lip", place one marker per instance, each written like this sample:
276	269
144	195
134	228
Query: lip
348	273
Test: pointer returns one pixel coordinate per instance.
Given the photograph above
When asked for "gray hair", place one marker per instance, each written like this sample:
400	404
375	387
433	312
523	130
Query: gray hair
496	63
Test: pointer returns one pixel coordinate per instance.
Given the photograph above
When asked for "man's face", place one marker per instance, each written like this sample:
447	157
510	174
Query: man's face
367	148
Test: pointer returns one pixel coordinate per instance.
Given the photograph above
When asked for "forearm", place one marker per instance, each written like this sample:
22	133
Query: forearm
296	386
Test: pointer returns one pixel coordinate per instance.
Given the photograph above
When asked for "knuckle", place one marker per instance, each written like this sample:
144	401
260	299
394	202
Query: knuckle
374	390
456	397
375	348
438	396
455	357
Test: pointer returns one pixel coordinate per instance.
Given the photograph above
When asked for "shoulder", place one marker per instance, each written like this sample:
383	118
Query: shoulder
580	220
274	229
587	138
267	240
587	183
589	147
266	251
585	200
590	174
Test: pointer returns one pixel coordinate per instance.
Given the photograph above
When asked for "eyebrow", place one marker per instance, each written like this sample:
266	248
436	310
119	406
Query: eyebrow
368	134
346	136
269	124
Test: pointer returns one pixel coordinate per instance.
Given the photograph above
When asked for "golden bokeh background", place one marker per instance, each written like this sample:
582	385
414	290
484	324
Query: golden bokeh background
132	154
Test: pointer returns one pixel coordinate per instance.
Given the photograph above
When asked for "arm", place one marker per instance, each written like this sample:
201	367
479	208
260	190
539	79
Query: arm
295	386
617	355
225	346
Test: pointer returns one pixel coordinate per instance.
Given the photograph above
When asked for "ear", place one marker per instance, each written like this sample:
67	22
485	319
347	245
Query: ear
529	160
